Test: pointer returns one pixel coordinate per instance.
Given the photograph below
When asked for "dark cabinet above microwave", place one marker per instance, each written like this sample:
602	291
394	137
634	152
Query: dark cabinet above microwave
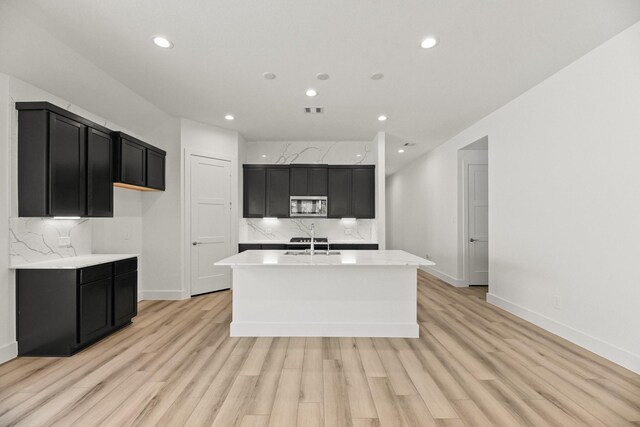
349	189
139	166
65	163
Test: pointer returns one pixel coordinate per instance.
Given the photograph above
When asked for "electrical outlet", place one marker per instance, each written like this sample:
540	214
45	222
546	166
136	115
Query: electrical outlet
127	234
268	230
426	256
64	242
558	302
348	231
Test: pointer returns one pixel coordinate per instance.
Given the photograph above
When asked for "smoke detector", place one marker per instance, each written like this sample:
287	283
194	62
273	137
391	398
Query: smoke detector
313	110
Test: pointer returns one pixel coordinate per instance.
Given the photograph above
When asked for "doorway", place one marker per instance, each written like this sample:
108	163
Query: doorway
474	179
209	213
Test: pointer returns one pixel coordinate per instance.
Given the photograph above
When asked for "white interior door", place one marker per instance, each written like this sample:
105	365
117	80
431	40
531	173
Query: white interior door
478	210
210	223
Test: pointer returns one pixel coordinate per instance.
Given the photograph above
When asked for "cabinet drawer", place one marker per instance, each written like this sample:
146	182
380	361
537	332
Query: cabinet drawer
125	266
97	272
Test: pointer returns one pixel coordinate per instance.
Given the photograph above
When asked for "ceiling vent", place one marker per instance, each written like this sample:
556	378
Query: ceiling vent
409	144
313	110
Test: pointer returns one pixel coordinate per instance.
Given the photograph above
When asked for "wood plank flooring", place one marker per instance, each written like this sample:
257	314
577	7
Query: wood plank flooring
473	364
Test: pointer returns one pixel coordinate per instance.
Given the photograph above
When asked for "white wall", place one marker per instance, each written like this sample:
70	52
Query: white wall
564	202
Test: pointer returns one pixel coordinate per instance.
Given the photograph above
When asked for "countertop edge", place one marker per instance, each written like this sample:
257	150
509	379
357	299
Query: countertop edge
83	261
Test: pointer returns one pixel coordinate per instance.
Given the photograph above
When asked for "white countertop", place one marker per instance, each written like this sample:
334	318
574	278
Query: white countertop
346	258
73	262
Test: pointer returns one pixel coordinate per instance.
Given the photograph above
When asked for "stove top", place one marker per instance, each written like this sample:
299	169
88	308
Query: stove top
308	240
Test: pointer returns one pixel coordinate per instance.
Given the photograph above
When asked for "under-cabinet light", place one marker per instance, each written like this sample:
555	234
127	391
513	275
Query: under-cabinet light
348	219
270	218
66	217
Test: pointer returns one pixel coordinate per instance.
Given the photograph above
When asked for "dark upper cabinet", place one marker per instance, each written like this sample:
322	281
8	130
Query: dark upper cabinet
138	165
351	192
64	163
254	195
155	169
363	193
67	163
339	192
277	192
99	174
308	180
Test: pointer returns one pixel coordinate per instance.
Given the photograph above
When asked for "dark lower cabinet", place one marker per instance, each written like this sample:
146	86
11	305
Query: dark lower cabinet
125	297
60	311
302	246
95	312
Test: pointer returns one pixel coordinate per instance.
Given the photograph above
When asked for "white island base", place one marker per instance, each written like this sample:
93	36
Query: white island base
324	296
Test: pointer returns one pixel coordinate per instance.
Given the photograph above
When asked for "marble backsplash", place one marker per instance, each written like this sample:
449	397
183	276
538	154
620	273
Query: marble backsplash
37	239
323	152
283	229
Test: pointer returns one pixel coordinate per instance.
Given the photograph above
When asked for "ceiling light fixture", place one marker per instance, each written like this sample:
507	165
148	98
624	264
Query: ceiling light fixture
429	42
162	42
322	76
264	156
229	117
401	151
382	118
311	92
269	76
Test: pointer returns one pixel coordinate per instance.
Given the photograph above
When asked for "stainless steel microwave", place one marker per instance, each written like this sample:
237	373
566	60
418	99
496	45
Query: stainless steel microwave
308	206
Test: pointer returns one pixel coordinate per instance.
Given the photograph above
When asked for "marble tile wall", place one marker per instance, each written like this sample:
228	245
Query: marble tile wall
36	239
324	152
362	230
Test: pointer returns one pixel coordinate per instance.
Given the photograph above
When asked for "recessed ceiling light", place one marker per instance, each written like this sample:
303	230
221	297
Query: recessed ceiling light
358	155
401	151
429	42
311	92
322	76
229	117
264	155
382	118
162	42
377	76
269	76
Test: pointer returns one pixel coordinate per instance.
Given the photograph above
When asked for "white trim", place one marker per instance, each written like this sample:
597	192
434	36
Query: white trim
154	295
608	351
233	240
8	351
305	329
458	283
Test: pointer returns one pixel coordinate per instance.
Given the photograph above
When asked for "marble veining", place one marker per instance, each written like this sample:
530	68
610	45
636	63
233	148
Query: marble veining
37	239
283	229
321	152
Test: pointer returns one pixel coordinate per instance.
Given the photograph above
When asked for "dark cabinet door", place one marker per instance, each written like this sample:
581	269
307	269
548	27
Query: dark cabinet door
94	309
298	181
339	193
132	163
363	193
254	192
278	192
67	175
125	298
317	181
99	174
155	170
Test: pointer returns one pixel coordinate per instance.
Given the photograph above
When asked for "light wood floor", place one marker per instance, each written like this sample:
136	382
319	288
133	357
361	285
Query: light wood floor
472	365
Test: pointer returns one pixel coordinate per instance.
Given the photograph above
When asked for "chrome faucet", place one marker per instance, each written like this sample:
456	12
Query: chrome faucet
313	238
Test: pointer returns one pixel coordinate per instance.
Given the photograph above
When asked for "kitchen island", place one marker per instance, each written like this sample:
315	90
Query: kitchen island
344	294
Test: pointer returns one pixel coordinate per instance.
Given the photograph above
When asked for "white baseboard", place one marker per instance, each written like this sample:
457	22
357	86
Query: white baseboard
608	351
305	329
8	351
458	283
162	295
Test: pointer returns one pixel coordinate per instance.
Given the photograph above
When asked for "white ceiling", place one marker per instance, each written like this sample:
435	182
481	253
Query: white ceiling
490	51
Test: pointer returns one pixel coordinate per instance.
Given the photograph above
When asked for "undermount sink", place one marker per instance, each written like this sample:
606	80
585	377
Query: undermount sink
309	253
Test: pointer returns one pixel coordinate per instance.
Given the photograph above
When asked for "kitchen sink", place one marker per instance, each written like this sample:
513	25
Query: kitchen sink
309	253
